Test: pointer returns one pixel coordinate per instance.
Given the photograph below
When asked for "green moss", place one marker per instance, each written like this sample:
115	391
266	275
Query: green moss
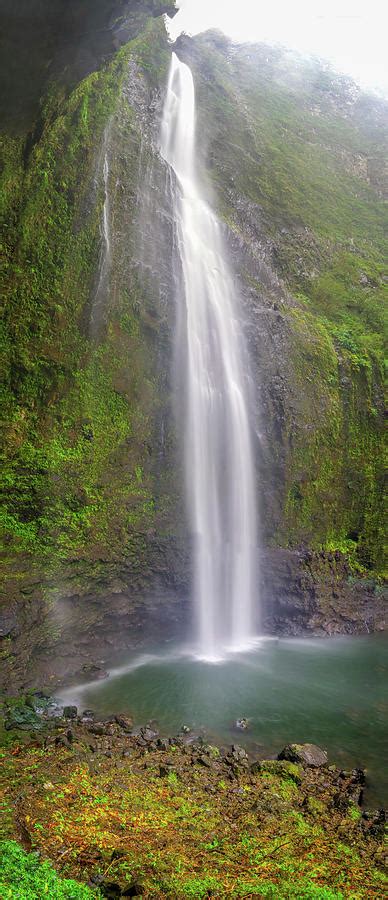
355	813
153	54
287	771
281	136
78	411
334	470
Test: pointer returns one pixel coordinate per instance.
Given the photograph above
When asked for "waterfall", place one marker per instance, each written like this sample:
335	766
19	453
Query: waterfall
100	296
218	454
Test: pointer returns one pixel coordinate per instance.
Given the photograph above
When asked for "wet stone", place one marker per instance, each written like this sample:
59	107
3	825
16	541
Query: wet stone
373	822
102	729
125	722
94	671
148	734
241	724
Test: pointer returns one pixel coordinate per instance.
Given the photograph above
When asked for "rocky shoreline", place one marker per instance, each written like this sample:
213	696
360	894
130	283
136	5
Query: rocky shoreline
118	808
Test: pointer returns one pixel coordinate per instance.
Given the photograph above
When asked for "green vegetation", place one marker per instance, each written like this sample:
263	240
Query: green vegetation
24	877
294	157
77	415
178	828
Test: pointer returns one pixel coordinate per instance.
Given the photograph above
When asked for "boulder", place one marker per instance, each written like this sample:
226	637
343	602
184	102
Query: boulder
242	724
70	712
125	722
148	734
239	753
305	755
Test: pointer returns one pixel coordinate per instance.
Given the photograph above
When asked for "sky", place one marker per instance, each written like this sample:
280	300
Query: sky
351	34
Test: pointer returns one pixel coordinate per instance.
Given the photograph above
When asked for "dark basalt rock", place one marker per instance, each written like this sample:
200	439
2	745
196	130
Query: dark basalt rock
70	712
241	724
66	40
236	757
148	734
102	729
9	625
110	889
351	784
93	671
305	754
133	890
166	769
125	722
204	761
373	822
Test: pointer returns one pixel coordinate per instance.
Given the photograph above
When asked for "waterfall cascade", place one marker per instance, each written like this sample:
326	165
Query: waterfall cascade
99	299
218	454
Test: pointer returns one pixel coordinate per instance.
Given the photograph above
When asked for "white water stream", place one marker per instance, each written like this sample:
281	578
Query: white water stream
218	454
100	297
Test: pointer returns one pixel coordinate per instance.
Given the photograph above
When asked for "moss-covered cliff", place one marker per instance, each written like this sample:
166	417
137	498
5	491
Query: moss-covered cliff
92	512
296	155
86	466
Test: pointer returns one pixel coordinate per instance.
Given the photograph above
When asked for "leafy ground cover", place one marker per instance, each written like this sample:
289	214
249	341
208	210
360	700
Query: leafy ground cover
23	876
135	815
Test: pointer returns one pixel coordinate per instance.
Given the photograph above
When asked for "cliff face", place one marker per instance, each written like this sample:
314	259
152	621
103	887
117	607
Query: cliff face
96	551
296	157
61	41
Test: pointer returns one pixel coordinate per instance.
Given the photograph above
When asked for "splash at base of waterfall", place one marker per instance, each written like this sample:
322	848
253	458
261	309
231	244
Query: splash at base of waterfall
227	651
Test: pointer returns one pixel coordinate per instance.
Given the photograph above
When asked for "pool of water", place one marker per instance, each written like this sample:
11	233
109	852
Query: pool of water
330	692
